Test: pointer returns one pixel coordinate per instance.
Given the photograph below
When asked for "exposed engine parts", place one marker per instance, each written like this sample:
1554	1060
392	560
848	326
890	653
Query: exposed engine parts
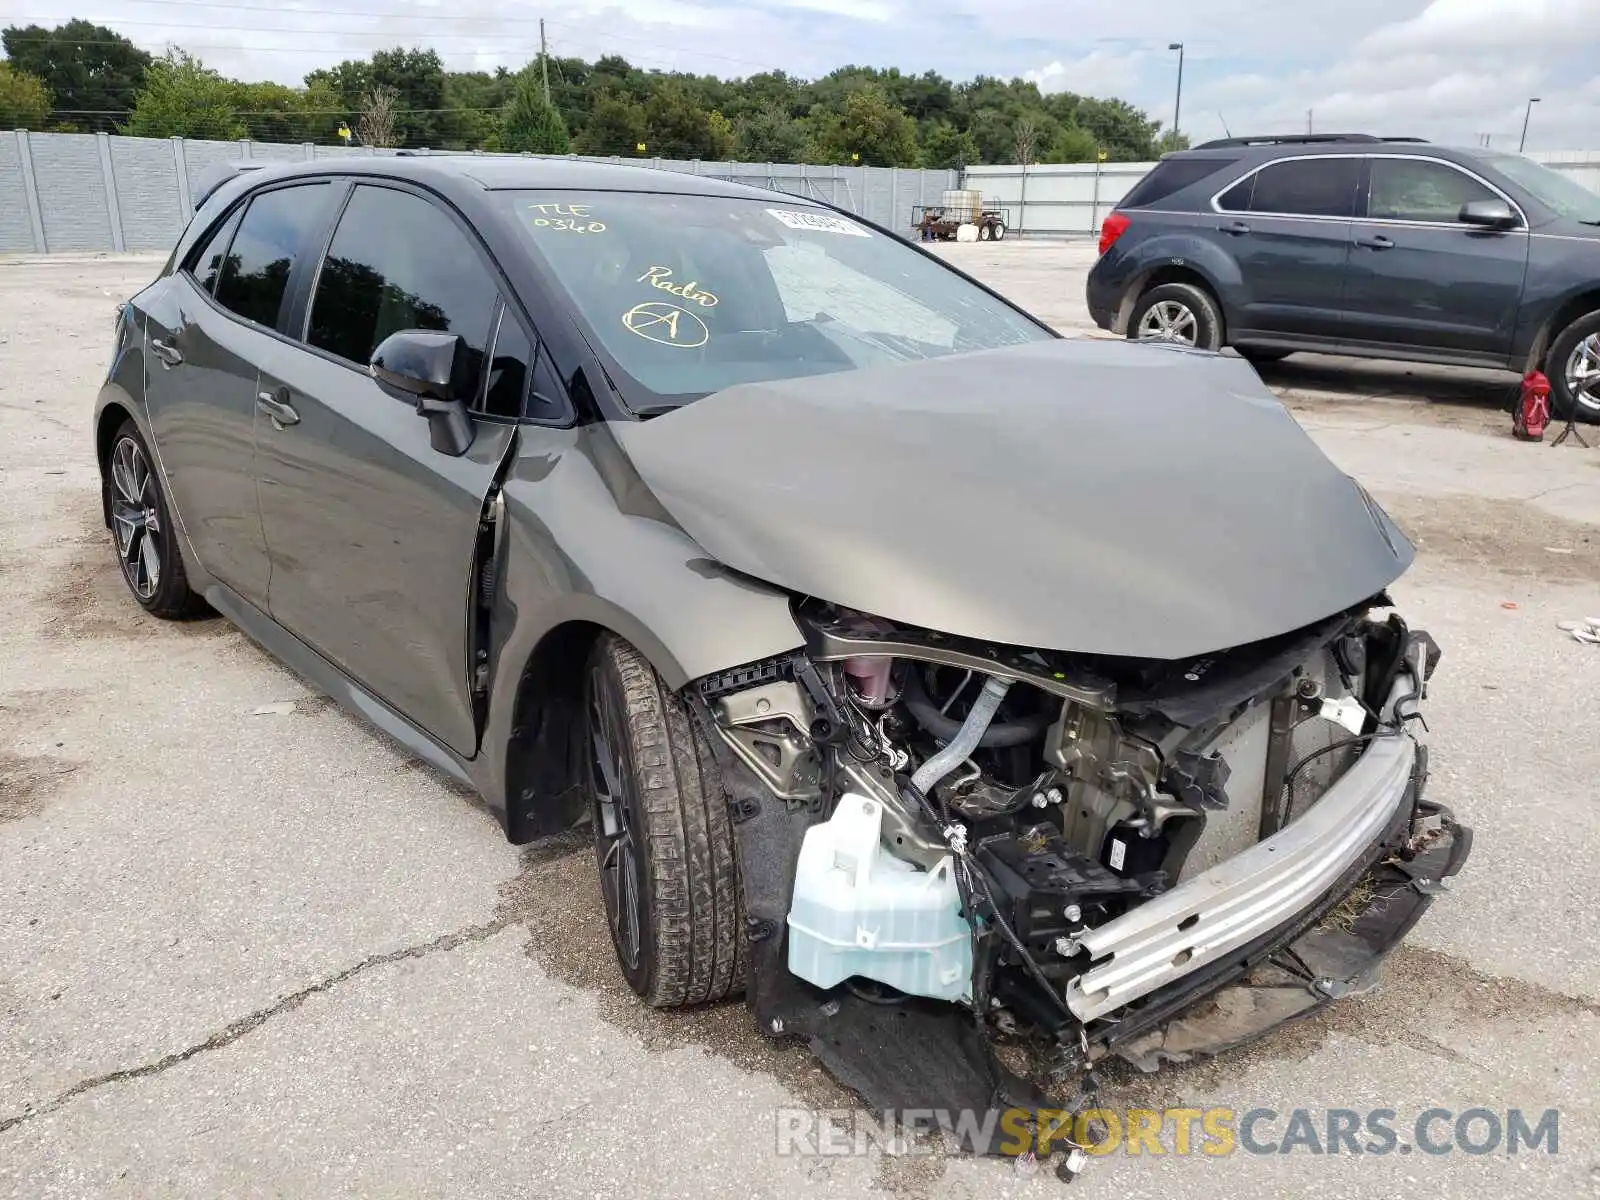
985	821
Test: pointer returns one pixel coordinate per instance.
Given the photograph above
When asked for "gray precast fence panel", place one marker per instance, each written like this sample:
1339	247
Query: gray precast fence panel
1056	199
16	225
147	192
71	183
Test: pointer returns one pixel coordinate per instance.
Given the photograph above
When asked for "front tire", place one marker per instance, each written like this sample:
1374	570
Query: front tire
1178	313
1574	359
985	232
999	231
663	837
142	530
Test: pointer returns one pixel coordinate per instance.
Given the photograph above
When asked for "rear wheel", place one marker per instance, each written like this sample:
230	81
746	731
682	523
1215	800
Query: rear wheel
663	837
999	231
985	232
1179	313
142	530
1573	368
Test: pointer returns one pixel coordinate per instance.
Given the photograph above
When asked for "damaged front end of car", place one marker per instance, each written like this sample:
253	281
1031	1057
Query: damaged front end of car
947	845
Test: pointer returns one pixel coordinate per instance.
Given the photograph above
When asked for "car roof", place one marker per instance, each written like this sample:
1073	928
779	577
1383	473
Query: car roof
500	172
1266	149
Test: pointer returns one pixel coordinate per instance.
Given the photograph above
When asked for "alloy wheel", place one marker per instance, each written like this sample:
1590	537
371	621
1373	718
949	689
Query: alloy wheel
1169	321
135	518
1583	371
616	841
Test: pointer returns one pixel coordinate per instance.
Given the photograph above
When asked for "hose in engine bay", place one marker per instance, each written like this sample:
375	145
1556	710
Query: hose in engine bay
996	735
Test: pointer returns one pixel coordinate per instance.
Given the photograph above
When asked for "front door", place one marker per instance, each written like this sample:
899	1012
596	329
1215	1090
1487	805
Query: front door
1420	278
372	531
206	328
1288	228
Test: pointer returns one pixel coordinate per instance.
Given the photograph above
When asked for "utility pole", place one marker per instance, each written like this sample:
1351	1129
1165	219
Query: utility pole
1308	121
544	62
1177	103
1532	100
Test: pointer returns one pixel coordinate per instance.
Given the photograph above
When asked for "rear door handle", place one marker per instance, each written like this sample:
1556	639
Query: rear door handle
280	410
1234	227
1376	242
169	355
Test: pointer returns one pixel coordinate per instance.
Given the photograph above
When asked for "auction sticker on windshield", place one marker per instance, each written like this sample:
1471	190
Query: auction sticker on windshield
819	222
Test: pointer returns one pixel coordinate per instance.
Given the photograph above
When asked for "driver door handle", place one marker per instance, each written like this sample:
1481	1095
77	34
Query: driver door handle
1234	227
169	355
1376	242
279	409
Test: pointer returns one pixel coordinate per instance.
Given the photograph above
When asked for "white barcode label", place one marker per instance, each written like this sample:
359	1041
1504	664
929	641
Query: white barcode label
1119	853
820	222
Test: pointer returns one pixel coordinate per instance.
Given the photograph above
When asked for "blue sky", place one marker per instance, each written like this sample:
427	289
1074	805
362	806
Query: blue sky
1449	70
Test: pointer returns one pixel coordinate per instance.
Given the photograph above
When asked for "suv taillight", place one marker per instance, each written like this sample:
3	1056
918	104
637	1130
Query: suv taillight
1113	227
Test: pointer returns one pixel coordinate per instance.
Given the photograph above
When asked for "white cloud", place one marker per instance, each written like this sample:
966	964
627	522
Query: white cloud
1098	73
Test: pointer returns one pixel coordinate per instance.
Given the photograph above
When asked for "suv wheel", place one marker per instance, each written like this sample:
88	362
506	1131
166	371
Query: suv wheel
1574	361
1177	312
662	836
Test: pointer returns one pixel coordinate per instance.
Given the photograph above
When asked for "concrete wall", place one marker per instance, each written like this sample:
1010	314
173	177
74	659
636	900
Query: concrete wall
1071	199
101	192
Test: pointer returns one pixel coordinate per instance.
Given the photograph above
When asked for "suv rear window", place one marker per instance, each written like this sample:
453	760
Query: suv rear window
1308	187
1172	175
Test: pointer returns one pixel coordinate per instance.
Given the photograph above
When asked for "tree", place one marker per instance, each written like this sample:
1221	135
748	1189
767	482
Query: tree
182	97
92	72
615	126
1125	132
866	129
1168	142
943	145
1025	137
377	124
1072	145
274	113
769	135
24	99
675	124
723	137
414	77
531	122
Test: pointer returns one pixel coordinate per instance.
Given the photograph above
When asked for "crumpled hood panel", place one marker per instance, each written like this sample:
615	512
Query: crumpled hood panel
1077	495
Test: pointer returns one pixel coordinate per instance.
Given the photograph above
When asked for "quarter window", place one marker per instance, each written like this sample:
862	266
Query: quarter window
271	239
508	369
1306	187
397	262
206	263
1413	189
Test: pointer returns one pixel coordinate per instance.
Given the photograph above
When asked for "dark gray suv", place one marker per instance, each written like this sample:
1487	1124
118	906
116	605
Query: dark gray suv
1351	244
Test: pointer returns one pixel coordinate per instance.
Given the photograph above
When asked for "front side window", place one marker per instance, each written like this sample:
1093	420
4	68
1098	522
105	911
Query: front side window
1413	189
397	262
690	294
271	239
1307	187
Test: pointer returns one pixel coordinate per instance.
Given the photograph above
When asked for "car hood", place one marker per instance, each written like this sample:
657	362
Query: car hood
1078	495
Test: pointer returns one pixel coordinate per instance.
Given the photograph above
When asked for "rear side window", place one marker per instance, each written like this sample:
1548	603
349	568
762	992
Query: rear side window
1172	175
397	262
1308	187
272	237
206	262
1412	189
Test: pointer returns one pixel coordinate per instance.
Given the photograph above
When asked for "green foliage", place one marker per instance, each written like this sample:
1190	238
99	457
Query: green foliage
769	134
405	97
182	97
92	72
1072	144
868	129
531	124
24	99
615	126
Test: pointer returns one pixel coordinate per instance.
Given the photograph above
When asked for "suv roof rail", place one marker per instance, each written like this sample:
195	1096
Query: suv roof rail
1299	139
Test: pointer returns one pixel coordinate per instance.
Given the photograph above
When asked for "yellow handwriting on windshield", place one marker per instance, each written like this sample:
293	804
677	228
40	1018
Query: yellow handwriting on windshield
568	218
661	277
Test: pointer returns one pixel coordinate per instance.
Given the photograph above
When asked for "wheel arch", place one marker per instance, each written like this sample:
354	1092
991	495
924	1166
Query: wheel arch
113	412
1569	310
1172	270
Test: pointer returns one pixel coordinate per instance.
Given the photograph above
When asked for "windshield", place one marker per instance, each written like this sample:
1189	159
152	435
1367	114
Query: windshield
1551	188
691	294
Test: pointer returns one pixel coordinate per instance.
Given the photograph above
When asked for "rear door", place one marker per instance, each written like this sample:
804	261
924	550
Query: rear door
372	531
1288	226
1418	277
207	329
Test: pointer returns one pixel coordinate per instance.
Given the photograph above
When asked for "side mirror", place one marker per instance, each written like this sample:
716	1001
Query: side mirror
1487	214
430	370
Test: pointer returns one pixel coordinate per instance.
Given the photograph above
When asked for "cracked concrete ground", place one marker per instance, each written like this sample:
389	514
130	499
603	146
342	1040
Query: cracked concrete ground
252	955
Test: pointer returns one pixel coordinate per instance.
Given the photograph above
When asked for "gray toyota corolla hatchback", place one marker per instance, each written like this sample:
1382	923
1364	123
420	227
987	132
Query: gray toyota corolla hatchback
908	688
